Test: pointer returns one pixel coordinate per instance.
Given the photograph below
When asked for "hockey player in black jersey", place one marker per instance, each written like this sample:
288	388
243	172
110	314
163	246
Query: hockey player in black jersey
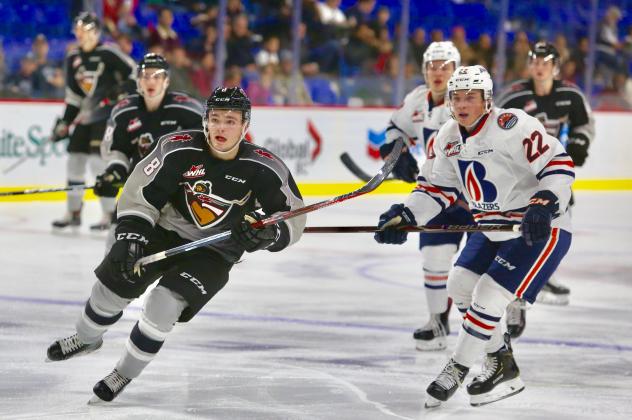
566	115
96	74
138	120
193	184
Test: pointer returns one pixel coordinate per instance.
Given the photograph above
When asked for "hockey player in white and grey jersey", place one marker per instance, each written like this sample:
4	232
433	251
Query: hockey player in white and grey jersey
511	172
192	185
418	120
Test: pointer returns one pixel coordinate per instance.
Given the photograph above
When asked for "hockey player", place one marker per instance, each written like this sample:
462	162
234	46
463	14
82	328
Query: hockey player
565	114
418	120
138	120
511	172
192	185
96	74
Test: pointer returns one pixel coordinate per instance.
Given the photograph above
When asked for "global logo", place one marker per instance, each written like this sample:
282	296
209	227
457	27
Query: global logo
478	188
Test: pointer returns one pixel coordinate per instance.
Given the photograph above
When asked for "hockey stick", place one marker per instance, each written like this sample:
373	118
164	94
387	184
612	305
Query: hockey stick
46	190
372	184
426	229
353	167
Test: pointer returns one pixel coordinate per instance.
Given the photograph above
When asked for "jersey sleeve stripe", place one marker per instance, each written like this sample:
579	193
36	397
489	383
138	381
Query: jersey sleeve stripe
557	172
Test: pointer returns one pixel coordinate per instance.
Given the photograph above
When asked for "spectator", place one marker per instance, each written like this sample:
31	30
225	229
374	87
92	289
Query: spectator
459	39
200	46
260	91
615	98
483	52
179	71
20	84
331	14
561	44
608	60
125	43
48	78
114	11
362	50
579	55
207	17
203	75
381	20
282	83
269	54
233	77
163	33
240	44
518	57
568	72
436	35
417	47
361	12
234	8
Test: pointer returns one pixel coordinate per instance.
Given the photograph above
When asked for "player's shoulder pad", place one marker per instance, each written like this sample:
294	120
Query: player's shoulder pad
446	132
417	94
183	100
570	88
262	156
127	104
114	50
181	140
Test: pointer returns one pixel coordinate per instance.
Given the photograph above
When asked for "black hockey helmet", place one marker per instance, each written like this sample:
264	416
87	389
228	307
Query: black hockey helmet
545	49
229	98
88	21
153	61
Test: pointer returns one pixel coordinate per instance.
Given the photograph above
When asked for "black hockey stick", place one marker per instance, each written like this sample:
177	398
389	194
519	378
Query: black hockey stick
372	184
425	229
46	190
353	167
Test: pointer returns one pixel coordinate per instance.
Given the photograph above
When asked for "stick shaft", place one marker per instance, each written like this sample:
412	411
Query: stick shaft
427	229
45	190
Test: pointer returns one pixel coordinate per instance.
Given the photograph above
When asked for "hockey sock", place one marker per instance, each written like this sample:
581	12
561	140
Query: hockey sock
437	261
102	310
75	170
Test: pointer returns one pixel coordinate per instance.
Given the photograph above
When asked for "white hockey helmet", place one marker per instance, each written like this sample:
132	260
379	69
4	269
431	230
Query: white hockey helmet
472	78
442	50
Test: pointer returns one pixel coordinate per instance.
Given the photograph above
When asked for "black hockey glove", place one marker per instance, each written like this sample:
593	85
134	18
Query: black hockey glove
109	182
578	150
252	239
60	131
406	167
397	216
131	238
536	223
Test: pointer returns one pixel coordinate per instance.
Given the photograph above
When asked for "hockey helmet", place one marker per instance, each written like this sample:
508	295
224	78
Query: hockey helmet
233	98
442	50
153	61
88	21
472	78
545	49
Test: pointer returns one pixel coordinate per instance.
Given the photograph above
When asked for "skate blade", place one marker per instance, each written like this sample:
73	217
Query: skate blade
432	345
432	402
551	299
502	391
97	401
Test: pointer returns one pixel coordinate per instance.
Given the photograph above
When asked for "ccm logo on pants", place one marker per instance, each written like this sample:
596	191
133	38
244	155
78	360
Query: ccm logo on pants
195	281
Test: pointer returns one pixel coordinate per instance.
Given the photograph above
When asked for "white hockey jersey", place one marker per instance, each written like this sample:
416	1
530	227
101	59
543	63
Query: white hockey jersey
498	168
418	119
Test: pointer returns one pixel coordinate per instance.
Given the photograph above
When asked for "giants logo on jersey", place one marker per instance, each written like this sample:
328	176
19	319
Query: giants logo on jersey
482	192
144	142
88	79
207	209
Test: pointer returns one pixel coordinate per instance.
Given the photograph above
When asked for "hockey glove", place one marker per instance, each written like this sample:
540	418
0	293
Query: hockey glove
109	182
252	239
578	150
536	223
60	131
406	167
131	238
397	216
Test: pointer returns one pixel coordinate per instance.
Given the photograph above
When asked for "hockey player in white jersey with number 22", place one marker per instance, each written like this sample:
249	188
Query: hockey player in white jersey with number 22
511	172
418	120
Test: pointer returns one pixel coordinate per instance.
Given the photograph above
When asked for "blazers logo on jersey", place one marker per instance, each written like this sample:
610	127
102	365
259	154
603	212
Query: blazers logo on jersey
88	79
196	171
507	120
134	124
207	209
478	188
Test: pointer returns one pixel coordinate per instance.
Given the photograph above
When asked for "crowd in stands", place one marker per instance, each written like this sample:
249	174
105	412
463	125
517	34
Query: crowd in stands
348	56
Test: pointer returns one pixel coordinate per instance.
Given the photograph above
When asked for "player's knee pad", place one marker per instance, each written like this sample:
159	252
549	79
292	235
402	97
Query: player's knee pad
161	311
490	297
105	301
438	258
461	284
76	166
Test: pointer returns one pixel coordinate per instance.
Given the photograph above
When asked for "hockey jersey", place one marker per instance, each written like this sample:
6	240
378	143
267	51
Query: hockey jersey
566	104
93	76
132	130
418	119
498	168
181	187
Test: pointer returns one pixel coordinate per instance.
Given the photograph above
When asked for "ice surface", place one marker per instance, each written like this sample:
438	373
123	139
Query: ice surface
319	331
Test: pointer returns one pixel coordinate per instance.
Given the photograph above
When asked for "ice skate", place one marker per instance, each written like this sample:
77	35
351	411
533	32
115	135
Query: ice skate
516	318
554	293
432	336
108	388
68	347
70	219
446	384
103	225
499	379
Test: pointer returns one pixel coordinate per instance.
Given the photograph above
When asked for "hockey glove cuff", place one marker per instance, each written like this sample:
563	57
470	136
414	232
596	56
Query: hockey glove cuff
109	182
536	223
577	148
251	239
397	216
